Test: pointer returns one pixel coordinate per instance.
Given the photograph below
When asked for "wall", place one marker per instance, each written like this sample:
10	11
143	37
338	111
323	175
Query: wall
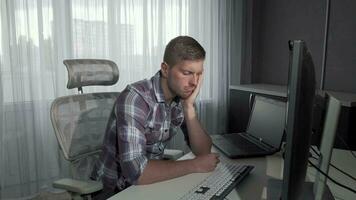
268	25
341	55
274	22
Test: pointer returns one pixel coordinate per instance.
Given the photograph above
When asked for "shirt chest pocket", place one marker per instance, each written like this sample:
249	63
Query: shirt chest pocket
158	125
156	133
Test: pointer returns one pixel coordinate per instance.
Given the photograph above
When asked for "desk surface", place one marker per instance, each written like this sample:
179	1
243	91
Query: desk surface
254	185
344	160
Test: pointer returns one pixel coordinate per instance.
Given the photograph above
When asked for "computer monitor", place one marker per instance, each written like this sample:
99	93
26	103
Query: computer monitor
300	98
301	93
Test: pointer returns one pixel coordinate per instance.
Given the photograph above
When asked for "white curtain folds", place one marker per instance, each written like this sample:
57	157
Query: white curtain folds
37	35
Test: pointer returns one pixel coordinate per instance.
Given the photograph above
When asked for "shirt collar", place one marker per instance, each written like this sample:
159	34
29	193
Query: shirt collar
157	88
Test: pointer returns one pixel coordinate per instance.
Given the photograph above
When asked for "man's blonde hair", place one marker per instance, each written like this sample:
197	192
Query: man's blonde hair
183	48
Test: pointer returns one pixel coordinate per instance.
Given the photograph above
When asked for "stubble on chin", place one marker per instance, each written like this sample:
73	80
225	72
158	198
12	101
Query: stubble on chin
185	95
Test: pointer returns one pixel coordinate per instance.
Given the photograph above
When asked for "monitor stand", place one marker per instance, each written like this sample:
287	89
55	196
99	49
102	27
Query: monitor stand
274	190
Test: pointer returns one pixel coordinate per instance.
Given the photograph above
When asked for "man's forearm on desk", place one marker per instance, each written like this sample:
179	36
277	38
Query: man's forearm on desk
160	170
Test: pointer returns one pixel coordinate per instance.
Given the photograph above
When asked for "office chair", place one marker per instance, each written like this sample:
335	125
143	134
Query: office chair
80	120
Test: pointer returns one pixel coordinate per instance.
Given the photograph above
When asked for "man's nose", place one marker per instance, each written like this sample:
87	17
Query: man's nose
194	80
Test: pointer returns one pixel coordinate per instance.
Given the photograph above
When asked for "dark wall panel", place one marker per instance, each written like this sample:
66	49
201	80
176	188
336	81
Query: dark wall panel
341	55
279	21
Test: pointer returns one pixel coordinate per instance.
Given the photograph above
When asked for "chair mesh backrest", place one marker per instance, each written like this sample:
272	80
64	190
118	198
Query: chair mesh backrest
85	72
80	122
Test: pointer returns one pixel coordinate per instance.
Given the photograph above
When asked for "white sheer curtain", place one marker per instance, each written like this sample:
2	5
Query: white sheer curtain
35	37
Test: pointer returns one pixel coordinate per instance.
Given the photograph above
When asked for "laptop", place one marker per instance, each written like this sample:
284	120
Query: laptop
264	132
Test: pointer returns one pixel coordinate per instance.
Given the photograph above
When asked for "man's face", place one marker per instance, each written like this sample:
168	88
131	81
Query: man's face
183	77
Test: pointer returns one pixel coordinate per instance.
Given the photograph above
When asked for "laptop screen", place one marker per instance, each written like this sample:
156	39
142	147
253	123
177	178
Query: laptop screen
267	120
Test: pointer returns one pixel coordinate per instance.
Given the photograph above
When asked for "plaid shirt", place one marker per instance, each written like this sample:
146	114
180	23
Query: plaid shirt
137	132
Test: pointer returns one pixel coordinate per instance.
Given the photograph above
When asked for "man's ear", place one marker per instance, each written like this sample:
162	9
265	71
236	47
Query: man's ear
164	69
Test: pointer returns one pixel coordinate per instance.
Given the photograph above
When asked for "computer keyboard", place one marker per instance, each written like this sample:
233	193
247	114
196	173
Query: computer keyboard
220	183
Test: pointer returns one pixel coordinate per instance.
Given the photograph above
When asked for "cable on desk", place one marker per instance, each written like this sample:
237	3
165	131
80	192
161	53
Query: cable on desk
332	165
331	179
340	170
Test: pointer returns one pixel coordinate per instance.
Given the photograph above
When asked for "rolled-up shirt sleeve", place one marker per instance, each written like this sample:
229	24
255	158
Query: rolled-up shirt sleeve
132	150
131	137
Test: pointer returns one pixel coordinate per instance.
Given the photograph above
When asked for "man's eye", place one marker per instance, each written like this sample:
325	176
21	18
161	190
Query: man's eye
186	73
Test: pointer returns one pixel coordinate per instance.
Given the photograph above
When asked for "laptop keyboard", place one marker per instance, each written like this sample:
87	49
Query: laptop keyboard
236	144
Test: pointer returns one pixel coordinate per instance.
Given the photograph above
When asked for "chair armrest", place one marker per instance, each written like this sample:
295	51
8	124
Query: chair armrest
77	186
172	154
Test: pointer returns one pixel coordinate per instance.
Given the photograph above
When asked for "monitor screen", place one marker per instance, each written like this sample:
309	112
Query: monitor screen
267	120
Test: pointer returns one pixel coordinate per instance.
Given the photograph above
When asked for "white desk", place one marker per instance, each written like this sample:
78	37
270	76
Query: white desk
344	160
253	187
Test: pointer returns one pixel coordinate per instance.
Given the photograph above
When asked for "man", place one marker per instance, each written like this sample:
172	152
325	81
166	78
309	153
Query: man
149	113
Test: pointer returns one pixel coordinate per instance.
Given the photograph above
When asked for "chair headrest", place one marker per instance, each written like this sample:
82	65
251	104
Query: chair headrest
84	72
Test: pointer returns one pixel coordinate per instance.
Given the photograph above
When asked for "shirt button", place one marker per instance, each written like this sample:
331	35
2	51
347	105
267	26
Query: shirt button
165	130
